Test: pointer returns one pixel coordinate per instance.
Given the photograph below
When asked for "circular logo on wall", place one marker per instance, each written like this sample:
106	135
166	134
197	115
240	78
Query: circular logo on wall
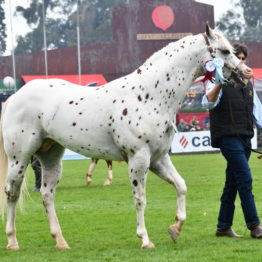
163	17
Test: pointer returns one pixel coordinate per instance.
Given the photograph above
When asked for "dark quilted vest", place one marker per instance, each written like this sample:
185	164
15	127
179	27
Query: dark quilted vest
233	116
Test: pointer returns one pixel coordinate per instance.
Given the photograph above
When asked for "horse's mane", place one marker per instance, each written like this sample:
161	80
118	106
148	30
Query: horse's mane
173	45
160	53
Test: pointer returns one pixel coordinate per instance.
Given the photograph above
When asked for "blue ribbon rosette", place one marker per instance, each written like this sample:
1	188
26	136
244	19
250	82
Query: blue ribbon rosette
216	65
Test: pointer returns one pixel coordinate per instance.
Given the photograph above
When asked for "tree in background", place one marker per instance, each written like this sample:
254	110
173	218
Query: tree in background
2	29
34	40
244	23
61	19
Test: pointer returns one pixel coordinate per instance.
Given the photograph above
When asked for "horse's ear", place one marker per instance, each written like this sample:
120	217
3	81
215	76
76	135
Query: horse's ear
209	31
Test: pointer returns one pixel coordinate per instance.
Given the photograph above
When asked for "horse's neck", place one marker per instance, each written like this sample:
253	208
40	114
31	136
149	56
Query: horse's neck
170	72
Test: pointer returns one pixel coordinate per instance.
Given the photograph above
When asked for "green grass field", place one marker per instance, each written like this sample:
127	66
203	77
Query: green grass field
99	222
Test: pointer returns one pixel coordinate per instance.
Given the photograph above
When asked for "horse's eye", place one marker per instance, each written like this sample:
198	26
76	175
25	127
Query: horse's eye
224	51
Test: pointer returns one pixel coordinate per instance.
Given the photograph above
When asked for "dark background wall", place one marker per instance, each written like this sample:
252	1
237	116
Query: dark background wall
124	53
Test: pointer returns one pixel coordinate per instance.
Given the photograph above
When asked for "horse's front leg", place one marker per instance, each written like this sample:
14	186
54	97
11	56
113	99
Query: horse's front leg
138	166
166	170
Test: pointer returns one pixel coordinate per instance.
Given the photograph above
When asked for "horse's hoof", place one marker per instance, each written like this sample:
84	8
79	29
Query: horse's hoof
173	232
107	183
62	246
12	247
148	245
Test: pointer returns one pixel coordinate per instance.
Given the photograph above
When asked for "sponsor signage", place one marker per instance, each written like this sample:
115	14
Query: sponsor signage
199	141
162	36
183	142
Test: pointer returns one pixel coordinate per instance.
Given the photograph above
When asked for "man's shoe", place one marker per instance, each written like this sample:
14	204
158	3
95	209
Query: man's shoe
227	233
255	231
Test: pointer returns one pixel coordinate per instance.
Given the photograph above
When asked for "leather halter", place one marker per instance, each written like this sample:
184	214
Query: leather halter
209	47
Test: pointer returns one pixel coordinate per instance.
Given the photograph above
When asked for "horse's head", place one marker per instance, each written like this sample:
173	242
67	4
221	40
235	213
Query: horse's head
219	47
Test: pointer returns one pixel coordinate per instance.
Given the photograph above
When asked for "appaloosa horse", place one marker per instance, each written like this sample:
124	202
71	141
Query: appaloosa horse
130	119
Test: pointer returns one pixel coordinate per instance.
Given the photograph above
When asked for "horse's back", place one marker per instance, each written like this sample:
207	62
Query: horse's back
31	102
74	116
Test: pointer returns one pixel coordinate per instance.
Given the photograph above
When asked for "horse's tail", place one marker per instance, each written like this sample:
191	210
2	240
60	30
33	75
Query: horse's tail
3	166
4	171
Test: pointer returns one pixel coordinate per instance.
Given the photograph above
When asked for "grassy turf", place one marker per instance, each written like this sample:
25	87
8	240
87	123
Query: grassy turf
99	222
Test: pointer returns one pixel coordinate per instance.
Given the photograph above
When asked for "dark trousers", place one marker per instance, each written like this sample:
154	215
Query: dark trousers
238	179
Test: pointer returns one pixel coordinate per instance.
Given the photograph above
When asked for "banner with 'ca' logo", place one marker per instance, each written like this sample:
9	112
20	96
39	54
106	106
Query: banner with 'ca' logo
197	141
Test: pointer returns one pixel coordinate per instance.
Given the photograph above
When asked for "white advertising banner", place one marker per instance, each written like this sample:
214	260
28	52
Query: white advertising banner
199	141
183	142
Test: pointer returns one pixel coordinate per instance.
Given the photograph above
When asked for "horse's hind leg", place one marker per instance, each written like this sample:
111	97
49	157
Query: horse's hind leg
109	173
51	173
91	170
166	170
16	170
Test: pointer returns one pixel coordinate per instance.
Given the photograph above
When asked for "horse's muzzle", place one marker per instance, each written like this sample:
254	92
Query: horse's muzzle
236	75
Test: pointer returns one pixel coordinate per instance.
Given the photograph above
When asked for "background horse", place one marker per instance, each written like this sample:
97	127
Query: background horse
92	167
131	119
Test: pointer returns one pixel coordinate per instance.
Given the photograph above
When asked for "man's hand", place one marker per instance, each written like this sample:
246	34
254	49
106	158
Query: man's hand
247	72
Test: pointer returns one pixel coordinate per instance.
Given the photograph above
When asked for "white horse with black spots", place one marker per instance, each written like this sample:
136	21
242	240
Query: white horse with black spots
130	119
